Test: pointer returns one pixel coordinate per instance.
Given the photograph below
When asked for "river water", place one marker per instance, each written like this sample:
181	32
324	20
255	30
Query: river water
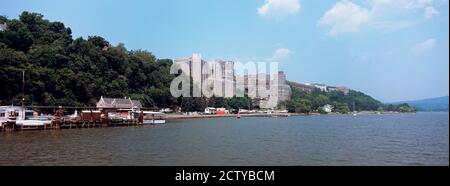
397	139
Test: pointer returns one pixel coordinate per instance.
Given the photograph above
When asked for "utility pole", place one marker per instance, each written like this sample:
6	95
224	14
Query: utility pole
353	106
23	94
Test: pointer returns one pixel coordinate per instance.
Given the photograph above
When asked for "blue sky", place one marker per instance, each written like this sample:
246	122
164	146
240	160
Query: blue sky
393	50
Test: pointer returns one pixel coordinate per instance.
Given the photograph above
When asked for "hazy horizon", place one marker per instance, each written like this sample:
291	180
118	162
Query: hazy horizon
391	50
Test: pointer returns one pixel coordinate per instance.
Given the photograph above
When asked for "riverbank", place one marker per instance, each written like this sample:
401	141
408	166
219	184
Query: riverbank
172	117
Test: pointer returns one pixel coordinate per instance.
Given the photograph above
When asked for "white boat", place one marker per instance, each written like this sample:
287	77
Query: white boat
34	122
117	116
26	120
18	112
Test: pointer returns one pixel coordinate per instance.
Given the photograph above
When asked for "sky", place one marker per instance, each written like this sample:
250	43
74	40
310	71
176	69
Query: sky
393	50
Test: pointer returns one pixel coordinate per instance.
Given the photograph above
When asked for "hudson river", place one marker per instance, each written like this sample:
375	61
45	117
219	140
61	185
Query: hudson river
398	139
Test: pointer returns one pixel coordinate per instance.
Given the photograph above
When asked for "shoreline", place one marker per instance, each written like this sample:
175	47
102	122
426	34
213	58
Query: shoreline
175	117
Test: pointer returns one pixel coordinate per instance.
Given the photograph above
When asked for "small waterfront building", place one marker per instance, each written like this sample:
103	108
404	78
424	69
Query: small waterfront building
18	112
221	111
118	103
210	110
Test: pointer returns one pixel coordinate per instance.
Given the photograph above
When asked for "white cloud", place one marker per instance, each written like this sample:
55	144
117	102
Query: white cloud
385	15
430	12
281	54
405	7
425	46
345	16
279	8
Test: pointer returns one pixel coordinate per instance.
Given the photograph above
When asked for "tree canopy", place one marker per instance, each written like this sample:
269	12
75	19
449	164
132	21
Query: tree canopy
313	101
61	70
64	71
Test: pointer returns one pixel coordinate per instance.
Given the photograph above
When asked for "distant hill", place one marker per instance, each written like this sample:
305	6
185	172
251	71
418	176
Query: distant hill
308	98
432	104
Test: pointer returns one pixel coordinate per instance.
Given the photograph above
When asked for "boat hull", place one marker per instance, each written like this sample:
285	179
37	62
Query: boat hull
32	123
153	122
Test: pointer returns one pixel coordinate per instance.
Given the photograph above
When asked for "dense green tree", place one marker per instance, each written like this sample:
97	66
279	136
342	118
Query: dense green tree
193	104
240	103
218	102
404	107
319	101
63	71
340	108
303	106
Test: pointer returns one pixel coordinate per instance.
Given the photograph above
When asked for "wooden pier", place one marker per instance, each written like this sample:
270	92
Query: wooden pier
87	119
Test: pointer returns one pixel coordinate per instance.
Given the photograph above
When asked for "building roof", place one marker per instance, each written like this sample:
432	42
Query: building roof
11	108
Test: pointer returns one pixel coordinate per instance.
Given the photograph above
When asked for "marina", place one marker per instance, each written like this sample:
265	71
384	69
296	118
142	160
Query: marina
14	119
108	112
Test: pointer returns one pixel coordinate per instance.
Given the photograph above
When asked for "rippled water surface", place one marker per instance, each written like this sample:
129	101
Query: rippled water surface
402	139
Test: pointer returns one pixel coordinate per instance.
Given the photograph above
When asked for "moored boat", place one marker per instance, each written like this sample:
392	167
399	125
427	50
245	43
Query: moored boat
34	122
150	117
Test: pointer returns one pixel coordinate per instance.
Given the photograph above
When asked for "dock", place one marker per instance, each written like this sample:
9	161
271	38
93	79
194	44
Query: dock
87	119
97	118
